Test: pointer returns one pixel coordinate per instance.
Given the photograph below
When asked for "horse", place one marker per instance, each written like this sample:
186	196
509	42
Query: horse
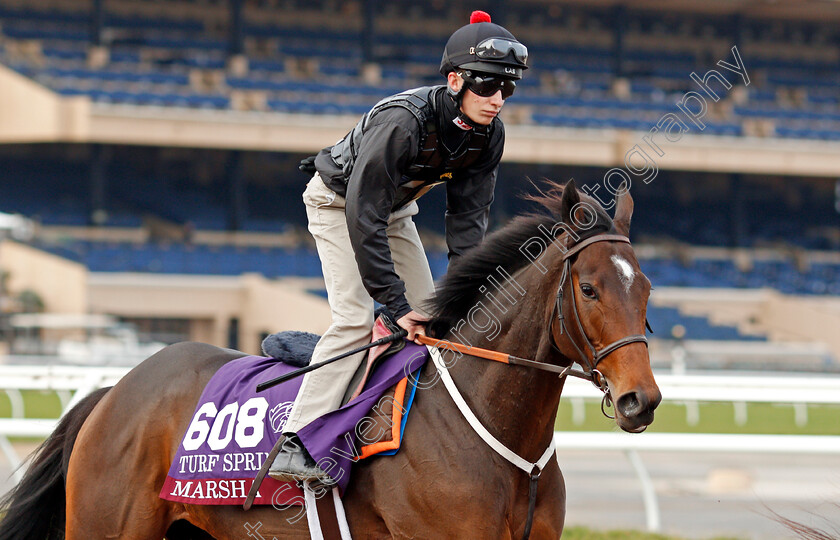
559	295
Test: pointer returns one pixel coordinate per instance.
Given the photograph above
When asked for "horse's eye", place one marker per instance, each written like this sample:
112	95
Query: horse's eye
588	291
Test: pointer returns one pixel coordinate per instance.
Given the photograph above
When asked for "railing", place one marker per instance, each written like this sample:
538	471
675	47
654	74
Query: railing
73	383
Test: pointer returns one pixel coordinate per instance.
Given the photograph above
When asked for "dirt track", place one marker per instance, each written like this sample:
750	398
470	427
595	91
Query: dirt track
704	495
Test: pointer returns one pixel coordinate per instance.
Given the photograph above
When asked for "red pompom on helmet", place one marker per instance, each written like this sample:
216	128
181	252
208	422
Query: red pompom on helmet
486	47
479	16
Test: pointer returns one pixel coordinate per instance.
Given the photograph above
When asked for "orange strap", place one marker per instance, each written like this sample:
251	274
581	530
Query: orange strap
464	349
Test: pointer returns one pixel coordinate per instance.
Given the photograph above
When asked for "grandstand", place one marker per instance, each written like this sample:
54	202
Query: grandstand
162	138
593	67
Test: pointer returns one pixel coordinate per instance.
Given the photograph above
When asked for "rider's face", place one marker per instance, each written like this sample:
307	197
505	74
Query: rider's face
481	110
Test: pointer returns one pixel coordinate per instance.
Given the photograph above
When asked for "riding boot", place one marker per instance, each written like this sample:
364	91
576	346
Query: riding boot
293	463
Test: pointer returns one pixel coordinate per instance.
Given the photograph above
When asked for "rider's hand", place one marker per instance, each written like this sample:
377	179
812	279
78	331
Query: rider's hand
307	165
412	322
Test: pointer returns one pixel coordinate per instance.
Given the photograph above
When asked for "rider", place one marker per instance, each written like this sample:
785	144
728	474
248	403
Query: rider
360	201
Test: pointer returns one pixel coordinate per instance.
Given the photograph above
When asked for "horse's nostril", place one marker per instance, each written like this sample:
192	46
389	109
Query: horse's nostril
629	404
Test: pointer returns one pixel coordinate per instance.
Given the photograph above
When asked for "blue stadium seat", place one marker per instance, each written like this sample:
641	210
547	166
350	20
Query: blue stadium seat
152	55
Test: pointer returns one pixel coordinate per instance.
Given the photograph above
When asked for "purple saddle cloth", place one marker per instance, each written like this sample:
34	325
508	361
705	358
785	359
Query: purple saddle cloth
234	428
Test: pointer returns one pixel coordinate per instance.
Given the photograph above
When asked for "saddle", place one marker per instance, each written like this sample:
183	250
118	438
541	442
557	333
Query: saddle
295	348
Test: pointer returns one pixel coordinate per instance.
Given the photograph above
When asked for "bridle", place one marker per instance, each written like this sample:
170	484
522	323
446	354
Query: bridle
590	370
589	362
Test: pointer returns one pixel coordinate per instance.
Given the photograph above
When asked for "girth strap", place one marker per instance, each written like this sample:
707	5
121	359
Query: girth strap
533	470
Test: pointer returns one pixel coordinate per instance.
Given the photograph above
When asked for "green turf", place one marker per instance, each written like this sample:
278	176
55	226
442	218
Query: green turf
715	418
36	404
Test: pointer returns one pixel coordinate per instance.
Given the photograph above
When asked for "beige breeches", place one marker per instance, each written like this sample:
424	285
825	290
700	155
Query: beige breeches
351	305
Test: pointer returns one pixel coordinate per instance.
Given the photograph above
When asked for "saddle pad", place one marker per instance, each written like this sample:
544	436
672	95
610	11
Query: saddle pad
390	425
234	428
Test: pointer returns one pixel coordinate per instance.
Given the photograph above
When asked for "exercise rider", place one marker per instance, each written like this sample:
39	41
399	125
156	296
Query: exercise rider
360	202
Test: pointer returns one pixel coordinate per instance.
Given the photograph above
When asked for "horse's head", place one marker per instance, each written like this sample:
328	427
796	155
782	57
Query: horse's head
599	317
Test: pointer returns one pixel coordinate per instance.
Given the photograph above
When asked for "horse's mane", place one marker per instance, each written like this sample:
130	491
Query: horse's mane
459	290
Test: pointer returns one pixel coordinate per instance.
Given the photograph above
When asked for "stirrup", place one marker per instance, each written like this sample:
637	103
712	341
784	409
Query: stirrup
293	463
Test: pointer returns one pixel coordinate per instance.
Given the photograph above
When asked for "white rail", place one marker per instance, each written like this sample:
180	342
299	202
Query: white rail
56	377
72	383
733	387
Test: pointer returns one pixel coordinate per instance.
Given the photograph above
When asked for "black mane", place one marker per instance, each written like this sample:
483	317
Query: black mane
458	290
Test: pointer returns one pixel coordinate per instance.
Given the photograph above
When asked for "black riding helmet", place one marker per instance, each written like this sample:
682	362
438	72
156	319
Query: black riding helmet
484	47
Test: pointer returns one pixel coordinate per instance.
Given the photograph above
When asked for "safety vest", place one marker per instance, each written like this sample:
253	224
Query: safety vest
434	163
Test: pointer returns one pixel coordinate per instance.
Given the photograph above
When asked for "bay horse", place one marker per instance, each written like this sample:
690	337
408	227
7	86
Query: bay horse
99	474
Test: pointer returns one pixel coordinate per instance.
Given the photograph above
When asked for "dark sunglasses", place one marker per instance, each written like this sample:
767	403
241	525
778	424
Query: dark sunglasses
487	85
495	48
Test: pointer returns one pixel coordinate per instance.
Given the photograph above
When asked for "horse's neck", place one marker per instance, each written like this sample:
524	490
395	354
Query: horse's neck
518	405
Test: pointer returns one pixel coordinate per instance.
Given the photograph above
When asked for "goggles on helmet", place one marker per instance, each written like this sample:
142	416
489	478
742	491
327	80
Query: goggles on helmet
495	48
485	85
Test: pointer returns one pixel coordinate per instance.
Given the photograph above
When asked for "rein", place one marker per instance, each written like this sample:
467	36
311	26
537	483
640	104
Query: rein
500	357
589	370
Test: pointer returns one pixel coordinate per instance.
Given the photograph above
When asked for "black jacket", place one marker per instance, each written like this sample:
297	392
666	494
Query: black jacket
387	146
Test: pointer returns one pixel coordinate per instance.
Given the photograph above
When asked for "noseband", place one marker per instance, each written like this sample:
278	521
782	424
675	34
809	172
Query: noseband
589	362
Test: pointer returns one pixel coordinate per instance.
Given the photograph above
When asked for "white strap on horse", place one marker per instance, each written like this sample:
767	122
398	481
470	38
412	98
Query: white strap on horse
314	520
476	424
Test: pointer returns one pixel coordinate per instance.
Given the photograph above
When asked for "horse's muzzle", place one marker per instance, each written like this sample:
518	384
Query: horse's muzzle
635	410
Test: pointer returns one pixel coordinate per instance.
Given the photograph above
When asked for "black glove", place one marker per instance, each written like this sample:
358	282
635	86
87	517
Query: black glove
307	165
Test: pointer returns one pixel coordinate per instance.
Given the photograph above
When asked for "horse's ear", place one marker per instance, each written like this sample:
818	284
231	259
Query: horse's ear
623	213
570	198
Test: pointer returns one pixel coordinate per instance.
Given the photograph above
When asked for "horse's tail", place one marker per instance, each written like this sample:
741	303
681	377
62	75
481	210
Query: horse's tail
35	507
